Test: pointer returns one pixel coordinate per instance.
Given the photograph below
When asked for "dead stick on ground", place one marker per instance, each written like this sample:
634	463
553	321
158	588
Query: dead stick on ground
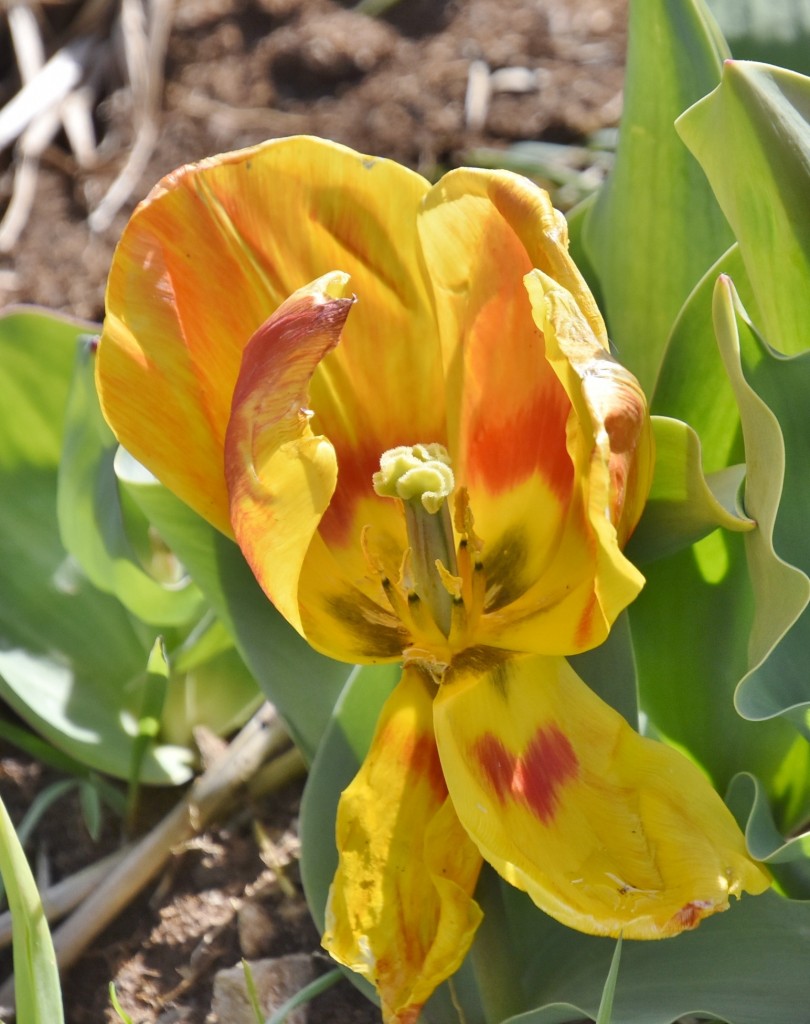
212	792
65	895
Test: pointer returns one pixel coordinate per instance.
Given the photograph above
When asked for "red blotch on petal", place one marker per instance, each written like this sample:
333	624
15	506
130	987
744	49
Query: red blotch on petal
497	763
536	776
548	763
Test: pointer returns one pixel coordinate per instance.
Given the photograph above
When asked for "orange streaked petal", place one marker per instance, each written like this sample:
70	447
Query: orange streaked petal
400	909
607	831
282	478
501	393
615	431
510	415
586	581
280	474
205	260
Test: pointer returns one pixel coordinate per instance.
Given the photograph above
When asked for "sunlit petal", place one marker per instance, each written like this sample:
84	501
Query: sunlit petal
281	478
208	257
586	581
280	475
611	421
607	831
555	576
400	909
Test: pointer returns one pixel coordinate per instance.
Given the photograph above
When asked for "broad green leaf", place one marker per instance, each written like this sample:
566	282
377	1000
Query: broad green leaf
36	978
655	226
748	798
303	684
693	385
683	505
752	138
217	691
690	628
71	658
772	393
147	726
737	597
100	531
747	966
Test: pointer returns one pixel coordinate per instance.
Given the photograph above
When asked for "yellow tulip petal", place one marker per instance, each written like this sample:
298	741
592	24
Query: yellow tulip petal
282	477
613	425
607	831
280	474
571	605
400	909
555	576
506	409
206	259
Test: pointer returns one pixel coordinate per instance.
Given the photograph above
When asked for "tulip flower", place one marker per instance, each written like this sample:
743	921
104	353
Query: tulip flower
399	400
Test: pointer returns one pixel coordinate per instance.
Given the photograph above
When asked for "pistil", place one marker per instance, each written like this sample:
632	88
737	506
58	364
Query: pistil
421	477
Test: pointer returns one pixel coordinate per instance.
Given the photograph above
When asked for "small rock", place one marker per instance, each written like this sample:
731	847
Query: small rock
276	981
257	930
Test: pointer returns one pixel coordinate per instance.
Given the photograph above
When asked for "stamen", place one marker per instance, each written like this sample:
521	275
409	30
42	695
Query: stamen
421	477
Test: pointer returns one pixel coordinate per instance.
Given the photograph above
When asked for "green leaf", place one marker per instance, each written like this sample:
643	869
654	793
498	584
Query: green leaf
610	670
744	589
772	393
655	226
97	528
747	797
36	978
693	385
747	966
752	138
683	505
71	658
605	1012
153	699
303	684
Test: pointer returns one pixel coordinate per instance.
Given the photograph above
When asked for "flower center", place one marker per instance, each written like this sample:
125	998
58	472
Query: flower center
421	477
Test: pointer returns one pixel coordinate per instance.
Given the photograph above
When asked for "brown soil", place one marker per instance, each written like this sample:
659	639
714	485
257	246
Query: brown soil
240	71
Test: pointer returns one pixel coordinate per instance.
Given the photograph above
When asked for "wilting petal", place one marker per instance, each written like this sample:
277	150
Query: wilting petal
280	475
607	831
400	908
281	478
206	259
